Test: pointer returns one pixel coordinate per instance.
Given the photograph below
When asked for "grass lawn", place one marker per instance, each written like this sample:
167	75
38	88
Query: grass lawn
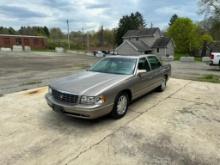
198	59
210	78
177	57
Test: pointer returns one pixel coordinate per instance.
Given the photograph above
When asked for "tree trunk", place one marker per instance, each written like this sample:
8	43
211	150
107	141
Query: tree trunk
204	49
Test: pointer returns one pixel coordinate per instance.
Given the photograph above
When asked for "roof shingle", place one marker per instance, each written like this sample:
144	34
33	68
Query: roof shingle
140	45
161	42
138	33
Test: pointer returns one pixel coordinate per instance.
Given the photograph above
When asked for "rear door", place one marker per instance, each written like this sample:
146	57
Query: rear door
143	82
156	70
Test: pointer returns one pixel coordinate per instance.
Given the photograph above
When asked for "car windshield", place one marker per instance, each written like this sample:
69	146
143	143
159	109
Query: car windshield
123	66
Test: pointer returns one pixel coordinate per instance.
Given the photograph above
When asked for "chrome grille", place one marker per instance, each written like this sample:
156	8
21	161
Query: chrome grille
64	97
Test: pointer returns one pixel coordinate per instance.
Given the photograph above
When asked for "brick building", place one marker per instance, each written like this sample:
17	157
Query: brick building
35	42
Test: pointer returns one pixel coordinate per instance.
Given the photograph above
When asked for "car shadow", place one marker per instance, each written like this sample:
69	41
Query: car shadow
68	124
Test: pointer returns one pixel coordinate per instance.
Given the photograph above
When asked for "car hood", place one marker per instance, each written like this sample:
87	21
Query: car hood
87	83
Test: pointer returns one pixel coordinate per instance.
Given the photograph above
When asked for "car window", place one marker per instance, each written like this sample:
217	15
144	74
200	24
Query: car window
123	66
143	64
154	62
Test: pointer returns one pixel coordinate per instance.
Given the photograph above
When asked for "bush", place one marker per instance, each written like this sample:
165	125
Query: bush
51	44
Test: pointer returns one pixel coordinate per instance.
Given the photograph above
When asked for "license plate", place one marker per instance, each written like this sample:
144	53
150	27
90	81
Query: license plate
57	108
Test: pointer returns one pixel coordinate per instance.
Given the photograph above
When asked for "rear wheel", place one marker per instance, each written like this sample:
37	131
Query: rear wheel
163	85
120	106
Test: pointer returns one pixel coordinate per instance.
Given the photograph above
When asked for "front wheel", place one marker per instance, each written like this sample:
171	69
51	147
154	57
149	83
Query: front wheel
120	106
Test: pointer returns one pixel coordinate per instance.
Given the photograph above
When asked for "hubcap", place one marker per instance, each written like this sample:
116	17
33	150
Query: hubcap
122	105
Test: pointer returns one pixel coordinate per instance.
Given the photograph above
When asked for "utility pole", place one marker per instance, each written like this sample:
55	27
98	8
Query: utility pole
83	40
68	31
101	36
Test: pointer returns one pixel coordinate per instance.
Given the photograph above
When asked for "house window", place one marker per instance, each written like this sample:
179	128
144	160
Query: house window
137	38
158	50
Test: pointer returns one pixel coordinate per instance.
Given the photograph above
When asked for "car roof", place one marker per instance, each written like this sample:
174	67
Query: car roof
131	56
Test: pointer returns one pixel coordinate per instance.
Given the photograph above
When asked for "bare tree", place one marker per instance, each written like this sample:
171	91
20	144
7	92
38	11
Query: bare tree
210	7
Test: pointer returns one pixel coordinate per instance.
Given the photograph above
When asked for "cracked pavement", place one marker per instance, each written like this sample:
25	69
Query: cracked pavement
178	126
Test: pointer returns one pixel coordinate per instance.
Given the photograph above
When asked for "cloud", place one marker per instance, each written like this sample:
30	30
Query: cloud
19	12
58	4
91	14
97	6
179	10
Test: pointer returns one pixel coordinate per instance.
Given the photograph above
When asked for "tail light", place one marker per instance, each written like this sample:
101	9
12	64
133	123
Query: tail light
211	56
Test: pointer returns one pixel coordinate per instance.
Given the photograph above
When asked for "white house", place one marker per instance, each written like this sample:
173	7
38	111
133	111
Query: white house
146	41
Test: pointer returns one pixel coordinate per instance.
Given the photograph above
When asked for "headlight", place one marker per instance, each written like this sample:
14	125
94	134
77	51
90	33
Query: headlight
92	100
49	90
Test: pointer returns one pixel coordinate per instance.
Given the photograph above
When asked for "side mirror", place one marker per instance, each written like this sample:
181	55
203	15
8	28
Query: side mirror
140	72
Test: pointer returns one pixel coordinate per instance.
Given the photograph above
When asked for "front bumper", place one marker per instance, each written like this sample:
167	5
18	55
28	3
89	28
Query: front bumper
211	63
79	111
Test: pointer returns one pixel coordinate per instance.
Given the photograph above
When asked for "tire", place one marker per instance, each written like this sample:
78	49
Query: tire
120	106
163	85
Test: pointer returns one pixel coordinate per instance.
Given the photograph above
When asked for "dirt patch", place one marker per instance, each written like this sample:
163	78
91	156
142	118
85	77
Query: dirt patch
197	114
34	92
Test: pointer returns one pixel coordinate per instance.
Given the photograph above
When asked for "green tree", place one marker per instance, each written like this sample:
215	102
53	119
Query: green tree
185	34
173	19
35	30
11	31
109	37
205	40
46	31
128	22
5	30
56	34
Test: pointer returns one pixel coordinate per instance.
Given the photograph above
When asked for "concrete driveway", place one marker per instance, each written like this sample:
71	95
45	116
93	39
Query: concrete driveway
178	126
193	70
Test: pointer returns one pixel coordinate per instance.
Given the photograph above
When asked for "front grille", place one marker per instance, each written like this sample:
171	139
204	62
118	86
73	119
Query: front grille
64	97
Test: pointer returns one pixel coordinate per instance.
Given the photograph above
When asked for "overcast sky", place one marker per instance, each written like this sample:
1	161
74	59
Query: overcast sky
91	14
